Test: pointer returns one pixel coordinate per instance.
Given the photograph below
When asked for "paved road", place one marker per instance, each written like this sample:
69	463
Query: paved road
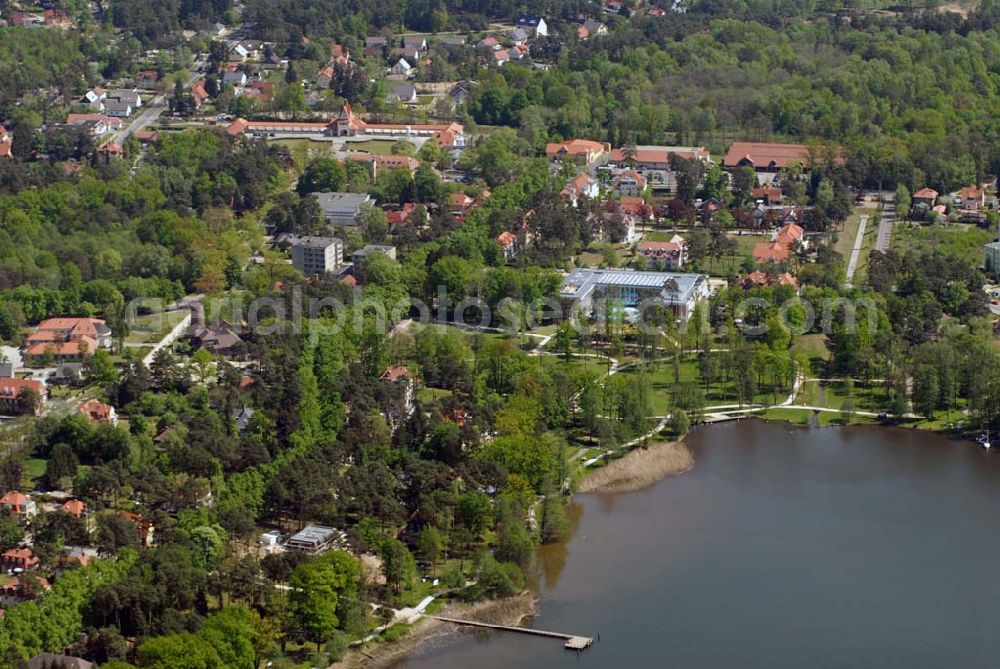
885	226
859	240
151	112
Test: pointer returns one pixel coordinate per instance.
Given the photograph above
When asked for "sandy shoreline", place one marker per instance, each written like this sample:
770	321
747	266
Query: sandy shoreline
427	636
641	468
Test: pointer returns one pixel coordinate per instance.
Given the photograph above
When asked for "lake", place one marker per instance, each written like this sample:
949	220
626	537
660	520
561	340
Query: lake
783	547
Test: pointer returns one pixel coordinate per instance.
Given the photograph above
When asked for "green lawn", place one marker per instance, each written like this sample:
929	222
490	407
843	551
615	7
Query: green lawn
870	238
151	328
577	364
34	469
375	146
303	150
814	346
955	240
732	264
833	394
427	395
661	380
659	235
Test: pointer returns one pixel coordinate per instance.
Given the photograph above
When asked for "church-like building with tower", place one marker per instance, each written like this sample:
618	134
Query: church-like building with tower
347	124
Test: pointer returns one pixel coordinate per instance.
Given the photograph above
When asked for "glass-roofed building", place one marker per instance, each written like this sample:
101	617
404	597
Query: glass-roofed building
589	290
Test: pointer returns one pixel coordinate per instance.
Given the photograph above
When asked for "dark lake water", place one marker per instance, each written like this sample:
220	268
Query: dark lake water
783	547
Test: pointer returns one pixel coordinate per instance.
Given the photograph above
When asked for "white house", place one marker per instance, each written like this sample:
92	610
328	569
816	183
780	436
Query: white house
401	68
533	25
235	78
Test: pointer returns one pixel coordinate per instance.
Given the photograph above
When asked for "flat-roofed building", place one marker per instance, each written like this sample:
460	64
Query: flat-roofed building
342	209
317	255
993	257
359	256
313	539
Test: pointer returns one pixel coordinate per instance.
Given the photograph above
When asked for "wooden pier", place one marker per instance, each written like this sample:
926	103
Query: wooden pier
572	642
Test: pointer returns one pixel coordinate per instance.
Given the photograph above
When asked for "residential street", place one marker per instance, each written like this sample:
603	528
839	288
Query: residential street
152	109
885	225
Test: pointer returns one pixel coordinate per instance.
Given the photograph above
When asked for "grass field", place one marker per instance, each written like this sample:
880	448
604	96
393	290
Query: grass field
427	395
815	347
661	380
151	328
955	240
375	146
833	395
303	150
577	364
733	263
659	235
727	264
870	238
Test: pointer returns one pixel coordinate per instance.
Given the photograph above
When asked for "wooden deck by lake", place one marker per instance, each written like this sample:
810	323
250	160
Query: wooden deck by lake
572	641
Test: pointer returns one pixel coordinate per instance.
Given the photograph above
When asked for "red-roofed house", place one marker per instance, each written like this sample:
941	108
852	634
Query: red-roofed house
633	205
395	162
98	411
460	203
971	198
98	123
395	373
925	196
198	93
6	143
93	331
765	156
508	244
488	44
237	127
147	79
18	558
582	185
62	350
74	507
758	278
400	374
19	505
403	215
669	256
768	195
584	150
499	58
111	150
629	182
146	137
655	164
764	252
789	235
13	394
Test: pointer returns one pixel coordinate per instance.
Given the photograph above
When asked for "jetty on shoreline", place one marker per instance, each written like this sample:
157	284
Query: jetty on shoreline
572	641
